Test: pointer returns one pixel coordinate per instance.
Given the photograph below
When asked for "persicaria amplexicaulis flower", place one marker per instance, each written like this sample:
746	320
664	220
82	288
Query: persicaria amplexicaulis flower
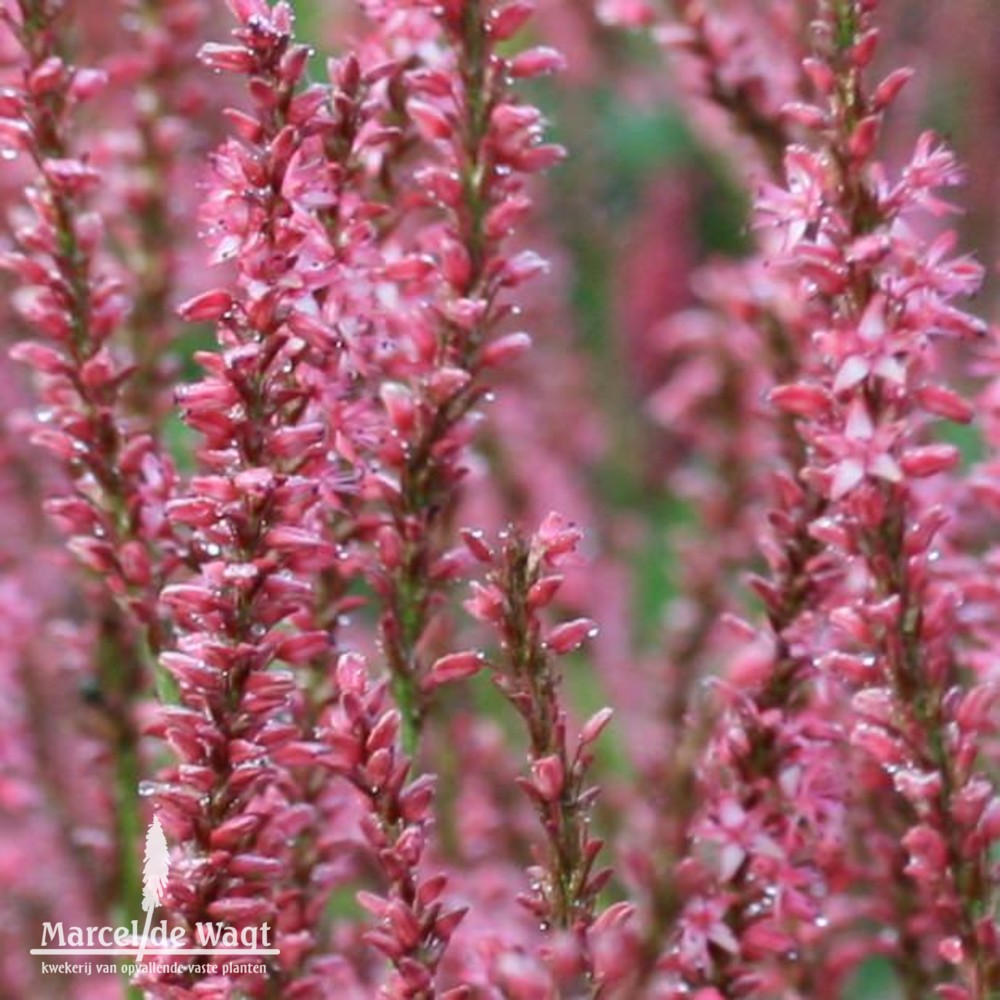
314	318
523	580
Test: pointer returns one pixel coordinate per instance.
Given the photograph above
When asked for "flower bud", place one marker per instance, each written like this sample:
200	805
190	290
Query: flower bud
571	635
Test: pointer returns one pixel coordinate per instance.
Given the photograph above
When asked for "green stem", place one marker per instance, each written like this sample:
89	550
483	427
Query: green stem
404	693
129	829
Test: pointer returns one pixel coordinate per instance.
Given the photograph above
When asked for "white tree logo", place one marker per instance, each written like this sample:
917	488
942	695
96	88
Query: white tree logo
155	868
210	938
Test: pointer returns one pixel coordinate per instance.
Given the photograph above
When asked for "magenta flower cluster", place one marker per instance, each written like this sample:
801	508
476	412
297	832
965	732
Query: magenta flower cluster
323	520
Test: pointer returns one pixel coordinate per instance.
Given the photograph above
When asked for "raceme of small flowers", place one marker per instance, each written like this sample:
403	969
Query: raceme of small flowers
513	492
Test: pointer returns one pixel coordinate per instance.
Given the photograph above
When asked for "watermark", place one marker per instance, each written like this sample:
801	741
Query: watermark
242	948
155	967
